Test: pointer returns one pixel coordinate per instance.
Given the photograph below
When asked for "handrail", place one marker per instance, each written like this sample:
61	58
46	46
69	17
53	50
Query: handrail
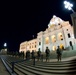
13	63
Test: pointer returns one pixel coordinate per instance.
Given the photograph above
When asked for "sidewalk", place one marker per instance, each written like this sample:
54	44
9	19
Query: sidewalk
3	70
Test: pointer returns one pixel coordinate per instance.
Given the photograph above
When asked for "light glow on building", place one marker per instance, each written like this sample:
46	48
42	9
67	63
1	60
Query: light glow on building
59	33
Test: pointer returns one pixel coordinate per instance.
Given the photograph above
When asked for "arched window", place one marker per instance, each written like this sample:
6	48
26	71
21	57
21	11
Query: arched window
69	35
47	40
61	46
60	36
70	43
35	46
54	48
53	37
39	43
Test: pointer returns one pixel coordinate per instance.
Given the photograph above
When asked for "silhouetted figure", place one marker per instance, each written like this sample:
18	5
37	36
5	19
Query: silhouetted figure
33	54
47	51
27	55
23	54
39	54
59	53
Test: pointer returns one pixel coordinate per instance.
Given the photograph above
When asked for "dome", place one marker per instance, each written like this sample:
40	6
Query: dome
55	21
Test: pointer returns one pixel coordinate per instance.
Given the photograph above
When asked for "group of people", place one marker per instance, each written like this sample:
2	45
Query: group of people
31	55
47	52
58	52
28	54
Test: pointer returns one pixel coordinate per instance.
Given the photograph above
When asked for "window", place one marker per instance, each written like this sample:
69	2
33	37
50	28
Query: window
54	48
30	47
67	29
60	36
70	43
58	23
61	46
53	37
68	35
35	46
39	43
47	40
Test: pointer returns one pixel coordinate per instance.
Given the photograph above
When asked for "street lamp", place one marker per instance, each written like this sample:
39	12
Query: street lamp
68	6
5	44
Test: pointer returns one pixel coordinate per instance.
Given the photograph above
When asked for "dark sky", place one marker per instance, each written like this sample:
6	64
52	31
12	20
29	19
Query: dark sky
19	20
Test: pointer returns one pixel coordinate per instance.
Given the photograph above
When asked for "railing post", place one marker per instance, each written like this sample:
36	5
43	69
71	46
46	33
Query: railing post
12	67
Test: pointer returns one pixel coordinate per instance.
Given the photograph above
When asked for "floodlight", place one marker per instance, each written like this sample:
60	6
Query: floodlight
68	5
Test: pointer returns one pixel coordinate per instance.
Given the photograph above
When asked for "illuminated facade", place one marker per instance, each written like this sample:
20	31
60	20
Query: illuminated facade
28	45
58	33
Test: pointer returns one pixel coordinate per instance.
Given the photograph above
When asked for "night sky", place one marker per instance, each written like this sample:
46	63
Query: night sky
19	20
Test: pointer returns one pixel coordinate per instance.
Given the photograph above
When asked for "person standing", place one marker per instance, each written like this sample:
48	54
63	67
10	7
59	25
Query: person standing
33	54
27	55
39	54
47	51
59	53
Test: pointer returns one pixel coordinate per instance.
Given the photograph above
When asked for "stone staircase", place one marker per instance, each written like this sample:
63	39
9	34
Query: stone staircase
42	68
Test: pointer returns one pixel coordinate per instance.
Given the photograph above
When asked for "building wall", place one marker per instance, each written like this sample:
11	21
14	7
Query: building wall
40	41
28	45
32	45
69	36
64	29
23	47
59	33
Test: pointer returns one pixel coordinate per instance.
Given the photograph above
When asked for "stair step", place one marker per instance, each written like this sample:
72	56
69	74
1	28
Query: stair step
49	68
42	68
45	70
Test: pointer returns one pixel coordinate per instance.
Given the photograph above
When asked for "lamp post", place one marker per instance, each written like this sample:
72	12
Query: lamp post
5	47
5	44
68	6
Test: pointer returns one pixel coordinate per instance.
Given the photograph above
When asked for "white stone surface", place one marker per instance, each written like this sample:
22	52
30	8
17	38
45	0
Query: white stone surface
57	27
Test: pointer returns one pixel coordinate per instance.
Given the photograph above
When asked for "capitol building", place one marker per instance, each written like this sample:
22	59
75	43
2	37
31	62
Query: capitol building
59	33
